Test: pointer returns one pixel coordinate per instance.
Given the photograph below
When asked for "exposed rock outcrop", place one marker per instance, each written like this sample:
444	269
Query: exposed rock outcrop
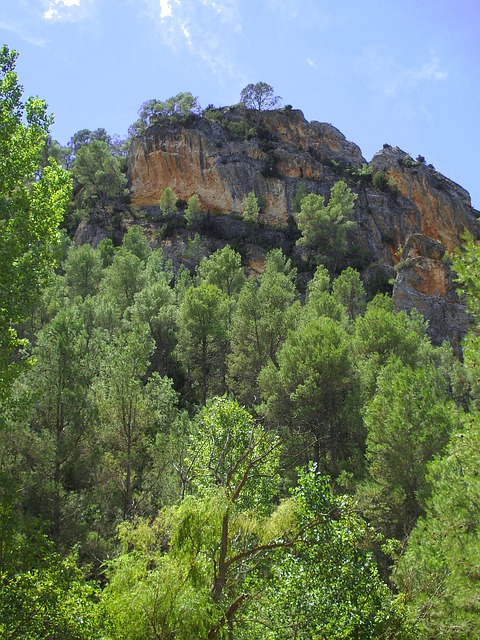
223	158
425	282
205	158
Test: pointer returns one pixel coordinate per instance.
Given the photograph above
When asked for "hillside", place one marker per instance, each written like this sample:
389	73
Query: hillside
407	213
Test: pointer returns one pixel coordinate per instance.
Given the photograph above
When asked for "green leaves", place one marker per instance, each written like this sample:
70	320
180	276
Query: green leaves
440	570
324	227
260	96
32	204
100	175
327	584
233	452
408	422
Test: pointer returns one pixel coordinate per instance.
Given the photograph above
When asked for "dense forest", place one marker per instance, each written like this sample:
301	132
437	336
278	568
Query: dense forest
189	450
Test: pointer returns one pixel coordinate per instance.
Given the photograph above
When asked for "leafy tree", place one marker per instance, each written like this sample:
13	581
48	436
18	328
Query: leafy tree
466	265
381	333
319	301
259	96
408	422
155	305
32	205
179	106
324	227
215	536
45	597
127	414
203	323
61	422
83	271
168	200
327	584
308	387
100	174
251	210
106	249
123	279
439	572
349	290
85	136
266	310
136	242
193	209
227	562
223	269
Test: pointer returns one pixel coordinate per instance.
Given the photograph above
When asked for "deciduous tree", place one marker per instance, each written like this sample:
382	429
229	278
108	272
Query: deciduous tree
32	205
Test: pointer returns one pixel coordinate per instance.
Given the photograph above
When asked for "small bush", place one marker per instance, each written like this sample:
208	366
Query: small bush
380	181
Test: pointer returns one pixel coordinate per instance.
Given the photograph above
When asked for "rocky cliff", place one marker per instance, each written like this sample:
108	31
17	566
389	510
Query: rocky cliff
230	152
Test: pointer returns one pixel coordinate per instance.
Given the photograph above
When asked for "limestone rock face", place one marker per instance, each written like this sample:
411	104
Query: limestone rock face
425	282
204	158
429	202
222	159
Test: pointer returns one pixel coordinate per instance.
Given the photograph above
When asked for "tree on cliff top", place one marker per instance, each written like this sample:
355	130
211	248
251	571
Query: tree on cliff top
259	96
179	106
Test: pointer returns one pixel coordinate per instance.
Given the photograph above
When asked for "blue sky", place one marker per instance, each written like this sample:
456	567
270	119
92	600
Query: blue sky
406	73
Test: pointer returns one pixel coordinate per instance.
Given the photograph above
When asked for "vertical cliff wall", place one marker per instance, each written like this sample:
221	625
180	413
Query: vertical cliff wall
223	157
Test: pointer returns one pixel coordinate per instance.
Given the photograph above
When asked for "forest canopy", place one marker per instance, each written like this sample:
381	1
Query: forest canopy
200	451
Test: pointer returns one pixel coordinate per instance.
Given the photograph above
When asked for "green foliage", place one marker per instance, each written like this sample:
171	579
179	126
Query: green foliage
466	265
439	572
223	269
319	301
155	305
251	210
308	386
203	323
62	416
327	584
83	271
130	411
42	595
192	210
107	251
100	174
382	333
259	96
408	422
349	290
136	242
382	182
168	201
32	205
324	227
124	278
266	310
193	586
232	451
178	107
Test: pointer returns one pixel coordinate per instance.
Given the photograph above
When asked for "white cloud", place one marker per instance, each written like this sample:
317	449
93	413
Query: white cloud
205	26
67	10
165	9
311	63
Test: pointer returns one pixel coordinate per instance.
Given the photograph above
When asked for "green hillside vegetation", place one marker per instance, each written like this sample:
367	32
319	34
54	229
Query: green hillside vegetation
190	451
